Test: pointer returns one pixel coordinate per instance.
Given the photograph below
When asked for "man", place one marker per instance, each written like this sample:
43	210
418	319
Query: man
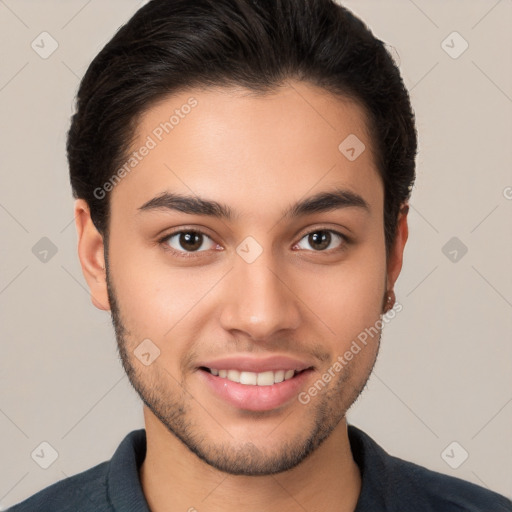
242	171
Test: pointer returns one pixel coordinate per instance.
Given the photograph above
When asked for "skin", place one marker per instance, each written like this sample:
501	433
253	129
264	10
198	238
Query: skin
258	155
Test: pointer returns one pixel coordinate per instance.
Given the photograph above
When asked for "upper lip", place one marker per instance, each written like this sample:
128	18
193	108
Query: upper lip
257	364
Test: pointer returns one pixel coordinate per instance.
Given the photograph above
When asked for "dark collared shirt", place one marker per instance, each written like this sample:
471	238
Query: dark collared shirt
388	484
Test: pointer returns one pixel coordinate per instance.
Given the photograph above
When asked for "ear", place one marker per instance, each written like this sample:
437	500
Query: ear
396	253
91	254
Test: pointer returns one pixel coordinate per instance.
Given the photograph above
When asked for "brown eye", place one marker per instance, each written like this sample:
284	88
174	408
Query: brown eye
323	239
189	241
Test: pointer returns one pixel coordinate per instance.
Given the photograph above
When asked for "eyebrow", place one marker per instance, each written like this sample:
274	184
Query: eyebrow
194	205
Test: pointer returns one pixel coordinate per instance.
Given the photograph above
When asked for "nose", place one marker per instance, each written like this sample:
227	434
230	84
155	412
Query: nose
259	301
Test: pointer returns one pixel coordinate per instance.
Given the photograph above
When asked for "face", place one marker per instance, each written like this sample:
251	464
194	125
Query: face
268	268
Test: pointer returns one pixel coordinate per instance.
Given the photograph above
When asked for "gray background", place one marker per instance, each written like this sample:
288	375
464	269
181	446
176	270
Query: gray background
444	372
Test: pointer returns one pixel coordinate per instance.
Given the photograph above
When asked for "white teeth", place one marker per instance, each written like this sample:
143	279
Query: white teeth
234	375
249	378
279	376
267	378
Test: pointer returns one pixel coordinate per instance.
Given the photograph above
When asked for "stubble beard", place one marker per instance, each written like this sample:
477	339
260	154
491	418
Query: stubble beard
170	402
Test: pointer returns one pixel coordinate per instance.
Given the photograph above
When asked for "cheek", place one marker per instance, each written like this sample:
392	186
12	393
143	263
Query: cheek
142	290
156	299
347	297
152	304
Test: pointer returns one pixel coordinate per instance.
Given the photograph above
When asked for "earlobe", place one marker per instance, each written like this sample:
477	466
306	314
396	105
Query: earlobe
92	255
394	264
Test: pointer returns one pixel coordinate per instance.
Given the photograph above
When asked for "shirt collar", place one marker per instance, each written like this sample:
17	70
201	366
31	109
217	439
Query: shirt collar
125	490
377	475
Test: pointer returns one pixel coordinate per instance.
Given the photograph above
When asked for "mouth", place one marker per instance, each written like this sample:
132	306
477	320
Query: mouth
255	391
267	378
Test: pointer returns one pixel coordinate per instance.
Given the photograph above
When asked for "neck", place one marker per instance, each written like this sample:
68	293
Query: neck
175	479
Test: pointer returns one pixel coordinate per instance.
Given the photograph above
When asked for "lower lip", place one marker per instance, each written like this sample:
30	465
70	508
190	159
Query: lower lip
255	398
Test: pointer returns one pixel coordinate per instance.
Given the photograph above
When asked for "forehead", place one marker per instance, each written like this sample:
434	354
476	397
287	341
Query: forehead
249	150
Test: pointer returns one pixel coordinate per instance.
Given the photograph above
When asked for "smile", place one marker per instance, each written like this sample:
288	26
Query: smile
255	391
267	378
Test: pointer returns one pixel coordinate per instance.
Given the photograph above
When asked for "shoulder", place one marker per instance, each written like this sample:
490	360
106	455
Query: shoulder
81	492
391	483
443	492
110	485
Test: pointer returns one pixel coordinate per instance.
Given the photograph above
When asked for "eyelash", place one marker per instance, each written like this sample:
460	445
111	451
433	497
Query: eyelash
194	254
